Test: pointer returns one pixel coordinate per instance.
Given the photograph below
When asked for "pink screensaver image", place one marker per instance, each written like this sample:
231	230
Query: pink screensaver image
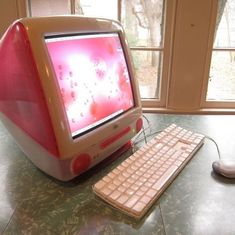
93	78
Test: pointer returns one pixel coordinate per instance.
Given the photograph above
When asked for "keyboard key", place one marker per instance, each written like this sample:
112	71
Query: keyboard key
164	178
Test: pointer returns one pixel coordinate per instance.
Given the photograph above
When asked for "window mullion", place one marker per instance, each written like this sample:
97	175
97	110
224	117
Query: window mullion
223	49
146	48
72	7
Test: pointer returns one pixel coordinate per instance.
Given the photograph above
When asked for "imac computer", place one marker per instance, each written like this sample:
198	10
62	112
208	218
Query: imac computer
68	94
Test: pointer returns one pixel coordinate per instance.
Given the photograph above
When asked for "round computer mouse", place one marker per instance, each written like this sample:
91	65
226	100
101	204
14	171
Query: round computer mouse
225	168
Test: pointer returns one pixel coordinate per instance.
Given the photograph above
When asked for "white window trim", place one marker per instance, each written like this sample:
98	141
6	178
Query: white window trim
169	17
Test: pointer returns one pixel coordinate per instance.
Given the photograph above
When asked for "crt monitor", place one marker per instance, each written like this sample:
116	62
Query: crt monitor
68	93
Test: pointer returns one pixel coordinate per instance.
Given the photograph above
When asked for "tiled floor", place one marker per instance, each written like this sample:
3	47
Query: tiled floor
197	202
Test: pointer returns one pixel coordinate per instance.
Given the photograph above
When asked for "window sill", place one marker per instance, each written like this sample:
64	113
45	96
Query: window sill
184	111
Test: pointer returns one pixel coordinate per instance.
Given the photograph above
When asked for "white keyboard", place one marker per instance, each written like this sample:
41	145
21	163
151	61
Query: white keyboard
138	182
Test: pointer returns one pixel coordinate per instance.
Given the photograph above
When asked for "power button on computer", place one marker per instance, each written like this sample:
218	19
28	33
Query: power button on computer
81	163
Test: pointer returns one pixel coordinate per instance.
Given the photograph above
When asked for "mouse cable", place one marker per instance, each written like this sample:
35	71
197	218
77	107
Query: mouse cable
217	147
145	137
143	131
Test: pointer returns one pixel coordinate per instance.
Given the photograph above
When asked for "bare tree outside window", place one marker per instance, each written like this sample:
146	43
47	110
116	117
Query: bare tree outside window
149	16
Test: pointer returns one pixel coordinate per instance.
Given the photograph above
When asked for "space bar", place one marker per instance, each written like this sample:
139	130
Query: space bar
165	177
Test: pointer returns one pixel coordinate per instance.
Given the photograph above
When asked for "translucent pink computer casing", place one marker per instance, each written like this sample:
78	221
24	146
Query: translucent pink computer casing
32	105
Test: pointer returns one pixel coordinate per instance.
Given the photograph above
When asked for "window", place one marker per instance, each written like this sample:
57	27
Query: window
221	84
147	24
180	65
143	23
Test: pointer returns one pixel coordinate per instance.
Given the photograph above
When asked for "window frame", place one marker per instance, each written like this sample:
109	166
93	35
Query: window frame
165	49
214	103
175	96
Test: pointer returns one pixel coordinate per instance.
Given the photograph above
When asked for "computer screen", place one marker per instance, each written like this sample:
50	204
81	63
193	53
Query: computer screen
93	78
